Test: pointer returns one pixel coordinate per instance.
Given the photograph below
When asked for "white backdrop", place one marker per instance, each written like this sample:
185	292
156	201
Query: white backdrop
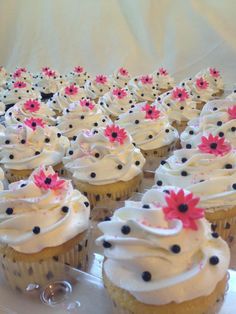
182	35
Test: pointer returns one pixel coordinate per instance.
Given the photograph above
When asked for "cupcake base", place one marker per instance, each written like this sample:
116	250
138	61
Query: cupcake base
180	125
224	223
21	269
117	191
13	175
125	303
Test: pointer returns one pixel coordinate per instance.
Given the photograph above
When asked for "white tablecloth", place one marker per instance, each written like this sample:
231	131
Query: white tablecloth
101	35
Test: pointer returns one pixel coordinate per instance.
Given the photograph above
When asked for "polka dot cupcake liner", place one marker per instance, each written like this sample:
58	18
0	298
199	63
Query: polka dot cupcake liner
20	272
155	156
17	175
224	223
115	191
125	303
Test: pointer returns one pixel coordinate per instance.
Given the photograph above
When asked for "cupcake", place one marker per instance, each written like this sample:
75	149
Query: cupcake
66	96
144	88
203	167
43	225
162	257
31	108
179	107
48	82
83	114
26	146
20	91
214	78
150	131
164	81
104	164
120	78
97	87
78	76
117	101
200	90
217	117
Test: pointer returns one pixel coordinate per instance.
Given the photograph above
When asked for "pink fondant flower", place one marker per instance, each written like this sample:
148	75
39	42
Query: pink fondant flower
48	181
214	145
123	72
33	123
201	83
71	90
50	73
146	79
101	79
19	84
151	112
119	93
115	134
180	94
163	72
87	103
45	69
78	69
32	105
214	72
17	73
232	112
22	69
183	207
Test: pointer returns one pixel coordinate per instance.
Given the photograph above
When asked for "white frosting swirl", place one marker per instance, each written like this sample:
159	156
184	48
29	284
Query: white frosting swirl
215	119
78	117
120	78
18	93
21	111
64	97
2	108
176	276
3	76
232	96
176	109
117	101
144	88
93	158
3	181
97	87
187	167
23	148
34	206
148	133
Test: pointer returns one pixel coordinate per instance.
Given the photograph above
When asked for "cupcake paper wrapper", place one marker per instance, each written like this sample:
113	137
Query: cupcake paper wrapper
225	227
13	176
115	192
19	274
155	156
